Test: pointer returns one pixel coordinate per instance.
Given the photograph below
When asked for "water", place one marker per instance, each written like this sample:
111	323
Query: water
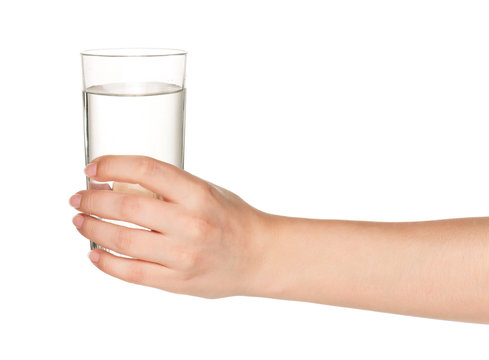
134	119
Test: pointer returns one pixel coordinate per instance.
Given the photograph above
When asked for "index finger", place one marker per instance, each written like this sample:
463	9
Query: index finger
169	181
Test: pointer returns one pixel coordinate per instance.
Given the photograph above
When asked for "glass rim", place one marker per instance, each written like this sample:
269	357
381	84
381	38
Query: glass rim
133	52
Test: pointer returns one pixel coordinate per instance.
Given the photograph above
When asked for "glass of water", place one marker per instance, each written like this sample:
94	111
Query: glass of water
134	104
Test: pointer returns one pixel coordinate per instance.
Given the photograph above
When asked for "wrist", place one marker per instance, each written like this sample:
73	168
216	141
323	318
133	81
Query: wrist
267	271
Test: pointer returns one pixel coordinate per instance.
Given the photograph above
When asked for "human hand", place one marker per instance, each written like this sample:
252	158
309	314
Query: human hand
202	240
206	241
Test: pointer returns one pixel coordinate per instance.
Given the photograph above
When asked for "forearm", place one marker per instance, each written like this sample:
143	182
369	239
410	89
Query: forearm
436	269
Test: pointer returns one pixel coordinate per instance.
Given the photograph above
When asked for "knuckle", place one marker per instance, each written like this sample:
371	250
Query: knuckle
129	204
122	240
198	227
93	229
88	201
188	260
89	227
204	190
104	165
185	279
147	167
135	273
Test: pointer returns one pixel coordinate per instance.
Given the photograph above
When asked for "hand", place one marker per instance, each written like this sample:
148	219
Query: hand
202	239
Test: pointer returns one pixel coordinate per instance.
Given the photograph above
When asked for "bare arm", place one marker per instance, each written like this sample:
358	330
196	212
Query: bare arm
208	242
437	269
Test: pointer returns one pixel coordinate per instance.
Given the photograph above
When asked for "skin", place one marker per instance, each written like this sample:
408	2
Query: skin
205	241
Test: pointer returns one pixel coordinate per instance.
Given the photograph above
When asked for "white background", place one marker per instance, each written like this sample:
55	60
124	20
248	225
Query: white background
370	110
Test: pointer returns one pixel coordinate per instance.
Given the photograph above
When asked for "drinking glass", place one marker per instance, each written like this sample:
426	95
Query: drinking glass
134	104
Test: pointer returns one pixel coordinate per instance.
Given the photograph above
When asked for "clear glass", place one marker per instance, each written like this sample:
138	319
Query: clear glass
134	104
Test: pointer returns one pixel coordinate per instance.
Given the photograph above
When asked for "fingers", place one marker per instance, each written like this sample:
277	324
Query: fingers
135	271
167	180
142	244
147	212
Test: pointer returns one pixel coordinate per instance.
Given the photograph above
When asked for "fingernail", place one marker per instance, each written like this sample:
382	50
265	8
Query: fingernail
94	256
91	169
78	221
75	200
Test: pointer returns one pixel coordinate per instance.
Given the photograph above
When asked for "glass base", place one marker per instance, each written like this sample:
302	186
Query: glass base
94	246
